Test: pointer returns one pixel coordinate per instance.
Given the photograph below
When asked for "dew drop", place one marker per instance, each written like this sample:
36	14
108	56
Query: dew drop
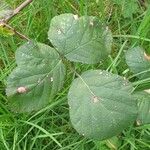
39	80
52	79
59	31
107	28
125	83
91	23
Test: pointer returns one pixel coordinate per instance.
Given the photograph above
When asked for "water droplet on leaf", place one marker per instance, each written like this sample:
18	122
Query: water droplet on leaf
52	79
91	23
59	31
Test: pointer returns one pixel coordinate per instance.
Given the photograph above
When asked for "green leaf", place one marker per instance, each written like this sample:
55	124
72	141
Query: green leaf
83	39
101	105
128	7
113	143
5	10
144	30
38	77
137	62
143	108
6	32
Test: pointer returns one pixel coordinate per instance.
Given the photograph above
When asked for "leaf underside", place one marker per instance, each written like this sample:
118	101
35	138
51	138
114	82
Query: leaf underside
40	72
101	105
83	39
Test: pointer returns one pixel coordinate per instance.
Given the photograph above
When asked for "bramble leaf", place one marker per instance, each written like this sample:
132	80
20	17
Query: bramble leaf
101	105
83	39
143	108
128	7
138	63
38	77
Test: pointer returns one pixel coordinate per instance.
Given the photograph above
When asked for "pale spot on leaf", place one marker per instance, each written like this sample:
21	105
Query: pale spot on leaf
124	78
91	23
148	91
21	90
39	80
100	72
107	28
95	99
76	17
52	79
138	122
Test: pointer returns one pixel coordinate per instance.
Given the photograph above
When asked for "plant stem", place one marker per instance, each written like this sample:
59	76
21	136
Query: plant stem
4	22
18	9
132	37
16	32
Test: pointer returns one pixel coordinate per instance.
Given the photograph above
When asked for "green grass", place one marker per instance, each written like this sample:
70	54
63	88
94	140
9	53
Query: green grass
50	128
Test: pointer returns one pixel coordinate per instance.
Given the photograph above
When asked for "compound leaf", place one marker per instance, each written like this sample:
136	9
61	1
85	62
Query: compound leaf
101	104
83	39
38	77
